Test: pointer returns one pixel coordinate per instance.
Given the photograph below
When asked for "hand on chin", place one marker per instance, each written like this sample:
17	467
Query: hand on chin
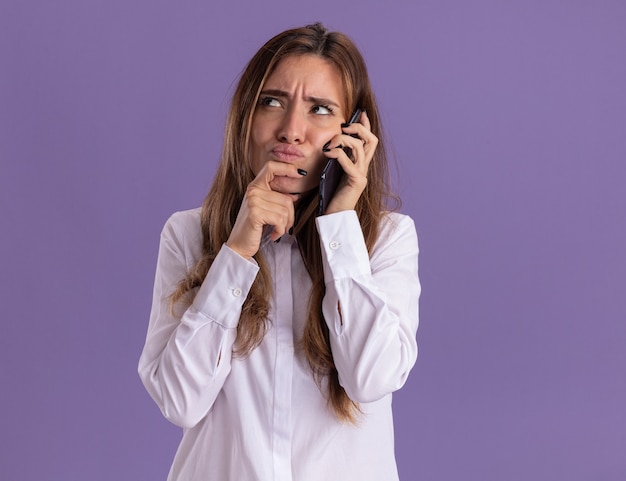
286	185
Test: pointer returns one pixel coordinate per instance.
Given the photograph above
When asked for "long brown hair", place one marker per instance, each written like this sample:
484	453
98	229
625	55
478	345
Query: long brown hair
223	201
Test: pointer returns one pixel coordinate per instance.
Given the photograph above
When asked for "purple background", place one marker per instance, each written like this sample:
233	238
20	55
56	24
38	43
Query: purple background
508	121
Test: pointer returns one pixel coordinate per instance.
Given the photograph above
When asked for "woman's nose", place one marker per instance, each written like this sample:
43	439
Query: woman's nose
292	127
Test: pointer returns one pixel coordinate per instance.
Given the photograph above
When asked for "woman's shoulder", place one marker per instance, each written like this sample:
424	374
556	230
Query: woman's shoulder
185	218
184	229
396	229
394	222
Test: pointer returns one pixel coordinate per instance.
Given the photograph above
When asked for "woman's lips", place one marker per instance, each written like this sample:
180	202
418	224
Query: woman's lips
287	153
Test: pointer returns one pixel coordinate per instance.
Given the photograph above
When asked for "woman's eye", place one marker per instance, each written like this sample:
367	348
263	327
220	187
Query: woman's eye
270	102
322	110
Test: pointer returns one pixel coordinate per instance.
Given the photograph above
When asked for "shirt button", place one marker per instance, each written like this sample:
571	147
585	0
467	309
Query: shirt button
237	292
334	245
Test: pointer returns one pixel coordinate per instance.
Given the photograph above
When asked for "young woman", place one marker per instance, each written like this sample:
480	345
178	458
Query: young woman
278	335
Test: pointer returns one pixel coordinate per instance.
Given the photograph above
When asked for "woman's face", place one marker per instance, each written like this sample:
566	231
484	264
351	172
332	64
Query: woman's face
300	109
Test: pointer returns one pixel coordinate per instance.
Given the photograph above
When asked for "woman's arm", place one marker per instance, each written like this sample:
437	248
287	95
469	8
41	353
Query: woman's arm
186	359
371	304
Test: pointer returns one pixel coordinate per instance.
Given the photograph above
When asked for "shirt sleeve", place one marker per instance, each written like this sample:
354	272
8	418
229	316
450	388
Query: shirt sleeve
371	302
187	355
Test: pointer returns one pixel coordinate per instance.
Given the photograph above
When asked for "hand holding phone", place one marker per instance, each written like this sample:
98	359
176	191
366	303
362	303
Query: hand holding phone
332	173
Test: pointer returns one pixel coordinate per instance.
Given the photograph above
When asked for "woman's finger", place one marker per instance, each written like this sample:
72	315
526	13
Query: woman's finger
273	169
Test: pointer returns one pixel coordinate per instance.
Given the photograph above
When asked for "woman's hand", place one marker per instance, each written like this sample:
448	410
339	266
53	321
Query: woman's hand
355	167
261	206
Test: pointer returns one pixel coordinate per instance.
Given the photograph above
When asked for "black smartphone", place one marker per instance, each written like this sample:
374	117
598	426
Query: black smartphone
332	173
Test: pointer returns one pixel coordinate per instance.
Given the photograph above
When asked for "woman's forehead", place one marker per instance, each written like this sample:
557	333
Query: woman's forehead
316	75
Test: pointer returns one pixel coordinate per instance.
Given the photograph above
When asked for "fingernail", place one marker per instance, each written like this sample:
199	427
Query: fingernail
343	126
291	231
325	148
302	172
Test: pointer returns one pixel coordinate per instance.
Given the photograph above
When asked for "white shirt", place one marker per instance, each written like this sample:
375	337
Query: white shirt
263	417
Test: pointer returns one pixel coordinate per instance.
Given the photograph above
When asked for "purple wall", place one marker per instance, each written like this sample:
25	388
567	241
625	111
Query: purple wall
508	120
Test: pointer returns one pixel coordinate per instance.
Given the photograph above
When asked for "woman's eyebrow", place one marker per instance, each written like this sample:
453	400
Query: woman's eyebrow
311	99
322	101
275	93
